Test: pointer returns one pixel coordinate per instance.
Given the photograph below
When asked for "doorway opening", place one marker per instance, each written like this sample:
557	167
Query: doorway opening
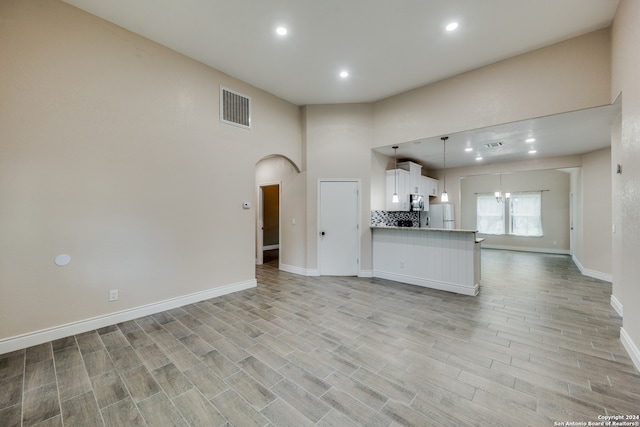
268	236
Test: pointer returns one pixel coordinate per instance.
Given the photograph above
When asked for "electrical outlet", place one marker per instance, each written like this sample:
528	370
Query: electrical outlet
113	295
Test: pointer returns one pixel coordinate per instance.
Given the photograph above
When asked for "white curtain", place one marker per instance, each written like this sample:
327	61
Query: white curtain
525	214
490	215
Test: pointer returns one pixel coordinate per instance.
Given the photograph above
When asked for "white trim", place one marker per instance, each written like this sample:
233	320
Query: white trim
366	274
293	269
45	335
299	270
617	305
631	348
525	249
434	284
591	273
270	247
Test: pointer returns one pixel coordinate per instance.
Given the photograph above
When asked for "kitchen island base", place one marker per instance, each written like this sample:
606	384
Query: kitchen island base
447	260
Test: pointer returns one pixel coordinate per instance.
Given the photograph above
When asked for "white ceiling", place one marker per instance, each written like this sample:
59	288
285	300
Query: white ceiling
388	47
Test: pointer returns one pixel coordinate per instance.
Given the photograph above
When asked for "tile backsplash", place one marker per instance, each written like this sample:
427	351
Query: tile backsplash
391	218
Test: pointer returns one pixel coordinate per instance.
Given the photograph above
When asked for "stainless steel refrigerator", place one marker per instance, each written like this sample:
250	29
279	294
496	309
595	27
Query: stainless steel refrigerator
441	216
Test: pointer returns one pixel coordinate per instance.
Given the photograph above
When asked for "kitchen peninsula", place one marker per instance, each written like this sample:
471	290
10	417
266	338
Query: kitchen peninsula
443	259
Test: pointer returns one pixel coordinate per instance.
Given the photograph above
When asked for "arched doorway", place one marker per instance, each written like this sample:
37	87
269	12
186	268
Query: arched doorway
278	216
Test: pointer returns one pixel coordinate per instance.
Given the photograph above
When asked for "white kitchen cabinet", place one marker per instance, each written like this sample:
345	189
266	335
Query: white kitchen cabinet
403	189
428	186
415	173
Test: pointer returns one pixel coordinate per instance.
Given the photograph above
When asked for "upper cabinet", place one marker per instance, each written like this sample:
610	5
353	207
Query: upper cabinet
429	186
398	179
415	171
408	179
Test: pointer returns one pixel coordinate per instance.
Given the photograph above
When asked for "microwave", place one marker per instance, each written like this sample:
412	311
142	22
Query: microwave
416	202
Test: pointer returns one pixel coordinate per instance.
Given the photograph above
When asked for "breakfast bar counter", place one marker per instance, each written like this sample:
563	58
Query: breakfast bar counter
445	259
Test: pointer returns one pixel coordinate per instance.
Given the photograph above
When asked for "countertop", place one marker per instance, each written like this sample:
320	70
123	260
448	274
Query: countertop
421	229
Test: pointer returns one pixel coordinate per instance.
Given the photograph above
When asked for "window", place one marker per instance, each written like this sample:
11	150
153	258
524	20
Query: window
490	215
525	211
522	214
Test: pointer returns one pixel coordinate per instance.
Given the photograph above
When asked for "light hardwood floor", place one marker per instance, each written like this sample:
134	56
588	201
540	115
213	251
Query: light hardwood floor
539	344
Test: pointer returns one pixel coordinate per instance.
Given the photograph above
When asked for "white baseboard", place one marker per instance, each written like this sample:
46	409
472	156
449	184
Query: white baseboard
631	348
592	273
617	305
45	335
313	272
299	270
270	247
526	249
433	284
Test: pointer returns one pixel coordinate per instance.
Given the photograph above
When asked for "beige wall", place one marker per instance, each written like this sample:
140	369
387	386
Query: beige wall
577	250
567	76
338	145
616	203
596	210
625	72
455	175
112	152
554	185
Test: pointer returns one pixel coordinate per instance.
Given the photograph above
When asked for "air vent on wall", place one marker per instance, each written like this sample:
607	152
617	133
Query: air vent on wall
494	144
235	108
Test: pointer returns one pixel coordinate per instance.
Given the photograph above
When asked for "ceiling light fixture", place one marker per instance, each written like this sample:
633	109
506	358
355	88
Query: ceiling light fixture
530	140
445	196
394	198
344	74
452	26
281	31
468	149
478	157
533	151
498	194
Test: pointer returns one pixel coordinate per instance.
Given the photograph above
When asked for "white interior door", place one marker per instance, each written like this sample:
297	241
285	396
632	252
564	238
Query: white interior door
339	228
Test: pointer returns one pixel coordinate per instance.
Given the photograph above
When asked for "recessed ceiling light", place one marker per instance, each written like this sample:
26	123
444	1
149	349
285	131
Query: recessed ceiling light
344	74
468	149
533	151
451	26
479	158
530	140
281	31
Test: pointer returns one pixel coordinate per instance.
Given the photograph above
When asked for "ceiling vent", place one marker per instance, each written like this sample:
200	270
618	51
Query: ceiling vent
494	145
235	108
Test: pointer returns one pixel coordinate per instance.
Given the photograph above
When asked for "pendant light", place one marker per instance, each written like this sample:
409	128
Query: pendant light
394	198
498	194
445	196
